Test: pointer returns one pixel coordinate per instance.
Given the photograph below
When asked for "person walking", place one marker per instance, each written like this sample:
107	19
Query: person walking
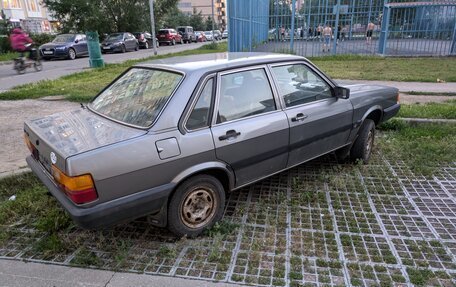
370	30
327	34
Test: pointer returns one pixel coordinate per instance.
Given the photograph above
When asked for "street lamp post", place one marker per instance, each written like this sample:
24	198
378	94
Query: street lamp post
213	19
152	24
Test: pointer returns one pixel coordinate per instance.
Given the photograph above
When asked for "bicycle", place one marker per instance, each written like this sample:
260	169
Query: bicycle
20	64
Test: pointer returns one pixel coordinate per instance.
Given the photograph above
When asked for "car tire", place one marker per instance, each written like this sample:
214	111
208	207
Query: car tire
362	147
173	42
181	41
146	46
71	54
137	47
123	49
196	205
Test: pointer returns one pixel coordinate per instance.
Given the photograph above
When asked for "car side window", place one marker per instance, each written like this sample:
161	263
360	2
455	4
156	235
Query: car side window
199	117
298	84
244	94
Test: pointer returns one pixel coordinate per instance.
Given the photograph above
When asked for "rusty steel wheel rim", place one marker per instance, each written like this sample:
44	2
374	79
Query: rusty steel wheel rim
198	207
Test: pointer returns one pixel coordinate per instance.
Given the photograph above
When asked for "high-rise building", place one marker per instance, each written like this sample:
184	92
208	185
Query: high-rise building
30	14
205	6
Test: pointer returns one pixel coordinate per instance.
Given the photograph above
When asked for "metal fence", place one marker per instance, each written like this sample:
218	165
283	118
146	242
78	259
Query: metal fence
329	27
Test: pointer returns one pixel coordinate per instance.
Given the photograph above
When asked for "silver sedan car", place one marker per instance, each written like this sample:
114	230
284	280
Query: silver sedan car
170	138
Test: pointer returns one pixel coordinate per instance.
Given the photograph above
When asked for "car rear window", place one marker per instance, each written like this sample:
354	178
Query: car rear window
137	97
181	30
163	32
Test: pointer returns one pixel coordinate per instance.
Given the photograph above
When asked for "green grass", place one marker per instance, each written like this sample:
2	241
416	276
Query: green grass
388	69
83	86
423	147
416	93
8	56
445	110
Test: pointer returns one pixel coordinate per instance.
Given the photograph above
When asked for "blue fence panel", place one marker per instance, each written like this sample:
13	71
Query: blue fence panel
367	27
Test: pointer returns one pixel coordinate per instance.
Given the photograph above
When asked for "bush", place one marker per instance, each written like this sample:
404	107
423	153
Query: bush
41	38
5	46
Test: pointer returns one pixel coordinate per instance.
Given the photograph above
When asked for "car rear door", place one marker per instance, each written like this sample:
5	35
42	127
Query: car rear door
249	129
319	122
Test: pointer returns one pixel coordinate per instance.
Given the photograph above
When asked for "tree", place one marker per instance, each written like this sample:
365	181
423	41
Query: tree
106	16
208	24
196	20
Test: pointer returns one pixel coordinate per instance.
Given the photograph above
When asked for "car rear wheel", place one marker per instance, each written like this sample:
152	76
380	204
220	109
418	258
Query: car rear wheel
173	42
123	49
196	205
71	54
137	47
362	148
146	45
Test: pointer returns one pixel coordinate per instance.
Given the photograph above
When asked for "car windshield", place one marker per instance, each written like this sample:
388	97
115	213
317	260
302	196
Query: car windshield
64	38
208	32
115	37
137	97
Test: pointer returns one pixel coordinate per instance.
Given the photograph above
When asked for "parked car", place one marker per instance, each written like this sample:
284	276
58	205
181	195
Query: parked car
120	42
169	36
225	34
145	40
187	33
67	46
217	35
169	138
209	35
200	36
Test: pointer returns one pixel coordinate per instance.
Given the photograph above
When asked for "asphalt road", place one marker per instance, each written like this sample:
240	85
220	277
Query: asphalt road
57	68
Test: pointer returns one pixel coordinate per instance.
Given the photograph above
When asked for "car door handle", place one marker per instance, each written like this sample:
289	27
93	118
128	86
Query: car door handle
229	134
299	117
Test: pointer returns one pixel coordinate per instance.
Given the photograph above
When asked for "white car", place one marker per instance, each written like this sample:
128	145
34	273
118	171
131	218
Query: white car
209	35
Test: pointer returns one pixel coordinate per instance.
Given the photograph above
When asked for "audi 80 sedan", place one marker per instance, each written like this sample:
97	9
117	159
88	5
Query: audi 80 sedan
170	138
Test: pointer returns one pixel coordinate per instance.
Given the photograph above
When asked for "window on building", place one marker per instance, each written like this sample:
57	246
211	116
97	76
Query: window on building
32	5
12	4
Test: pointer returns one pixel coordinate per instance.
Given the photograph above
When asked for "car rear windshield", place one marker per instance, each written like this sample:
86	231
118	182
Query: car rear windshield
115	37
163	32
137	97
64	38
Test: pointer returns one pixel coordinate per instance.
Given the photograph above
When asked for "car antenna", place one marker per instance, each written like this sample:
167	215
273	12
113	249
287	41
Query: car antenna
82	106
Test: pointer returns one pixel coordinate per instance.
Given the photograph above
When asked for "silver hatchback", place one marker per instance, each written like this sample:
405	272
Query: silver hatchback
170	138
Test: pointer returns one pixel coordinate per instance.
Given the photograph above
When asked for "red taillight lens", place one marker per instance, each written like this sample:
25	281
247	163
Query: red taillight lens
80	189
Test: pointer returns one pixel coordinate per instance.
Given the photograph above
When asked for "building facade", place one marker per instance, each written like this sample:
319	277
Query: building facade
31	15
205	6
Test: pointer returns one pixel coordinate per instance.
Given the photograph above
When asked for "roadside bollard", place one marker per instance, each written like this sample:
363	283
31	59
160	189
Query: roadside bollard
93	44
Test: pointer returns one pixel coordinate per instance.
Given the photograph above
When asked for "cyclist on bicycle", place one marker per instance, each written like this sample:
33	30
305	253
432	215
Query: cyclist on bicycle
19	40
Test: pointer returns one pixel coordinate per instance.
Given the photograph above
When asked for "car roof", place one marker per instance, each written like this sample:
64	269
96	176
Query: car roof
217	61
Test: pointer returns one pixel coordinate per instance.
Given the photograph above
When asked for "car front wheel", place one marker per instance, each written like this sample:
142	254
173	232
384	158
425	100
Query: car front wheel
71	54
362	148
196	205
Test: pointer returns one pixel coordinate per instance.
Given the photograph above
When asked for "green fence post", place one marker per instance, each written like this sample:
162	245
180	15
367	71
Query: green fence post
95	59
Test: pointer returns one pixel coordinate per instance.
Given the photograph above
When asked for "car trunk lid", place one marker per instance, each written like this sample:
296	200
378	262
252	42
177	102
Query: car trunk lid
65	134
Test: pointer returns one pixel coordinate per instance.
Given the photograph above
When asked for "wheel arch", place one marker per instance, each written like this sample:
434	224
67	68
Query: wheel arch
375	113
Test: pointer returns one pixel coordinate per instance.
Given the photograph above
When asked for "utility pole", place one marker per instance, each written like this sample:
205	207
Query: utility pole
213	19
152	24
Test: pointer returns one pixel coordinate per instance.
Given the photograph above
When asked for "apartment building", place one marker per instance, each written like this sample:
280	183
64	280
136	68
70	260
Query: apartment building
31	15
205	6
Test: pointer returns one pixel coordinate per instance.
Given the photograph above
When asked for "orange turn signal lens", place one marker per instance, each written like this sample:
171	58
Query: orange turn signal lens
80	189
28	143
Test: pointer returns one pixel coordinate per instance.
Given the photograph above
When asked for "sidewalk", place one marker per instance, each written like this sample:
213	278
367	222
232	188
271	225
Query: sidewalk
409	86
17	273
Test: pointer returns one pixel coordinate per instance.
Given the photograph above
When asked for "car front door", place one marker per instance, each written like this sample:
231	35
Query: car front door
249	129
81	45
319	122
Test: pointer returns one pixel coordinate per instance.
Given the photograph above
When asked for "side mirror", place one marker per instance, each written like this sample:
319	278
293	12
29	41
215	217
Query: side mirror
76	41
341	92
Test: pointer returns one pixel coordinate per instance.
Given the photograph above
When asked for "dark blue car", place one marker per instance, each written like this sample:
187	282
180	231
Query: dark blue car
67	46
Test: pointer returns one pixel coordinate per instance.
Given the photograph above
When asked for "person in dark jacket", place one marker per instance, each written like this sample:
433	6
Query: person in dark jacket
18	40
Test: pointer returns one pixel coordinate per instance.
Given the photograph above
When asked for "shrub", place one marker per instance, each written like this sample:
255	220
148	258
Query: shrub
5	46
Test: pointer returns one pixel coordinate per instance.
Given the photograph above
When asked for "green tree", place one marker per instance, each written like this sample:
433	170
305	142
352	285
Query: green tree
197	20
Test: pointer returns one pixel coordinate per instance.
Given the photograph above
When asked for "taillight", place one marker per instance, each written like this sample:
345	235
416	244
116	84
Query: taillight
80	189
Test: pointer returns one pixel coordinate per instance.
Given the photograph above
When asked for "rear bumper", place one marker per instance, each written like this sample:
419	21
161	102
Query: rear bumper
108	213
390	112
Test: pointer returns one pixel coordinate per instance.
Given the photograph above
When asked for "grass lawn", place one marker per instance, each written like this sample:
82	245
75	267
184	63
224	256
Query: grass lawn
388	69
445	110
85	85
8	56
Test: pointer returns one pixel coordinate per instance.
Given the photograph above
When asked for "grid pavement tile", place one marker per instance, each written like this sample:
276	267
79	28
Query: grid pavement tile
314	244
445	207
406	226
357	222
424	188
357	202
308	194
422	253
306	271
446	173
311	218
264	238
399	205
376	170
259	268
445	227
365	248
377	186
375	275
450	186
